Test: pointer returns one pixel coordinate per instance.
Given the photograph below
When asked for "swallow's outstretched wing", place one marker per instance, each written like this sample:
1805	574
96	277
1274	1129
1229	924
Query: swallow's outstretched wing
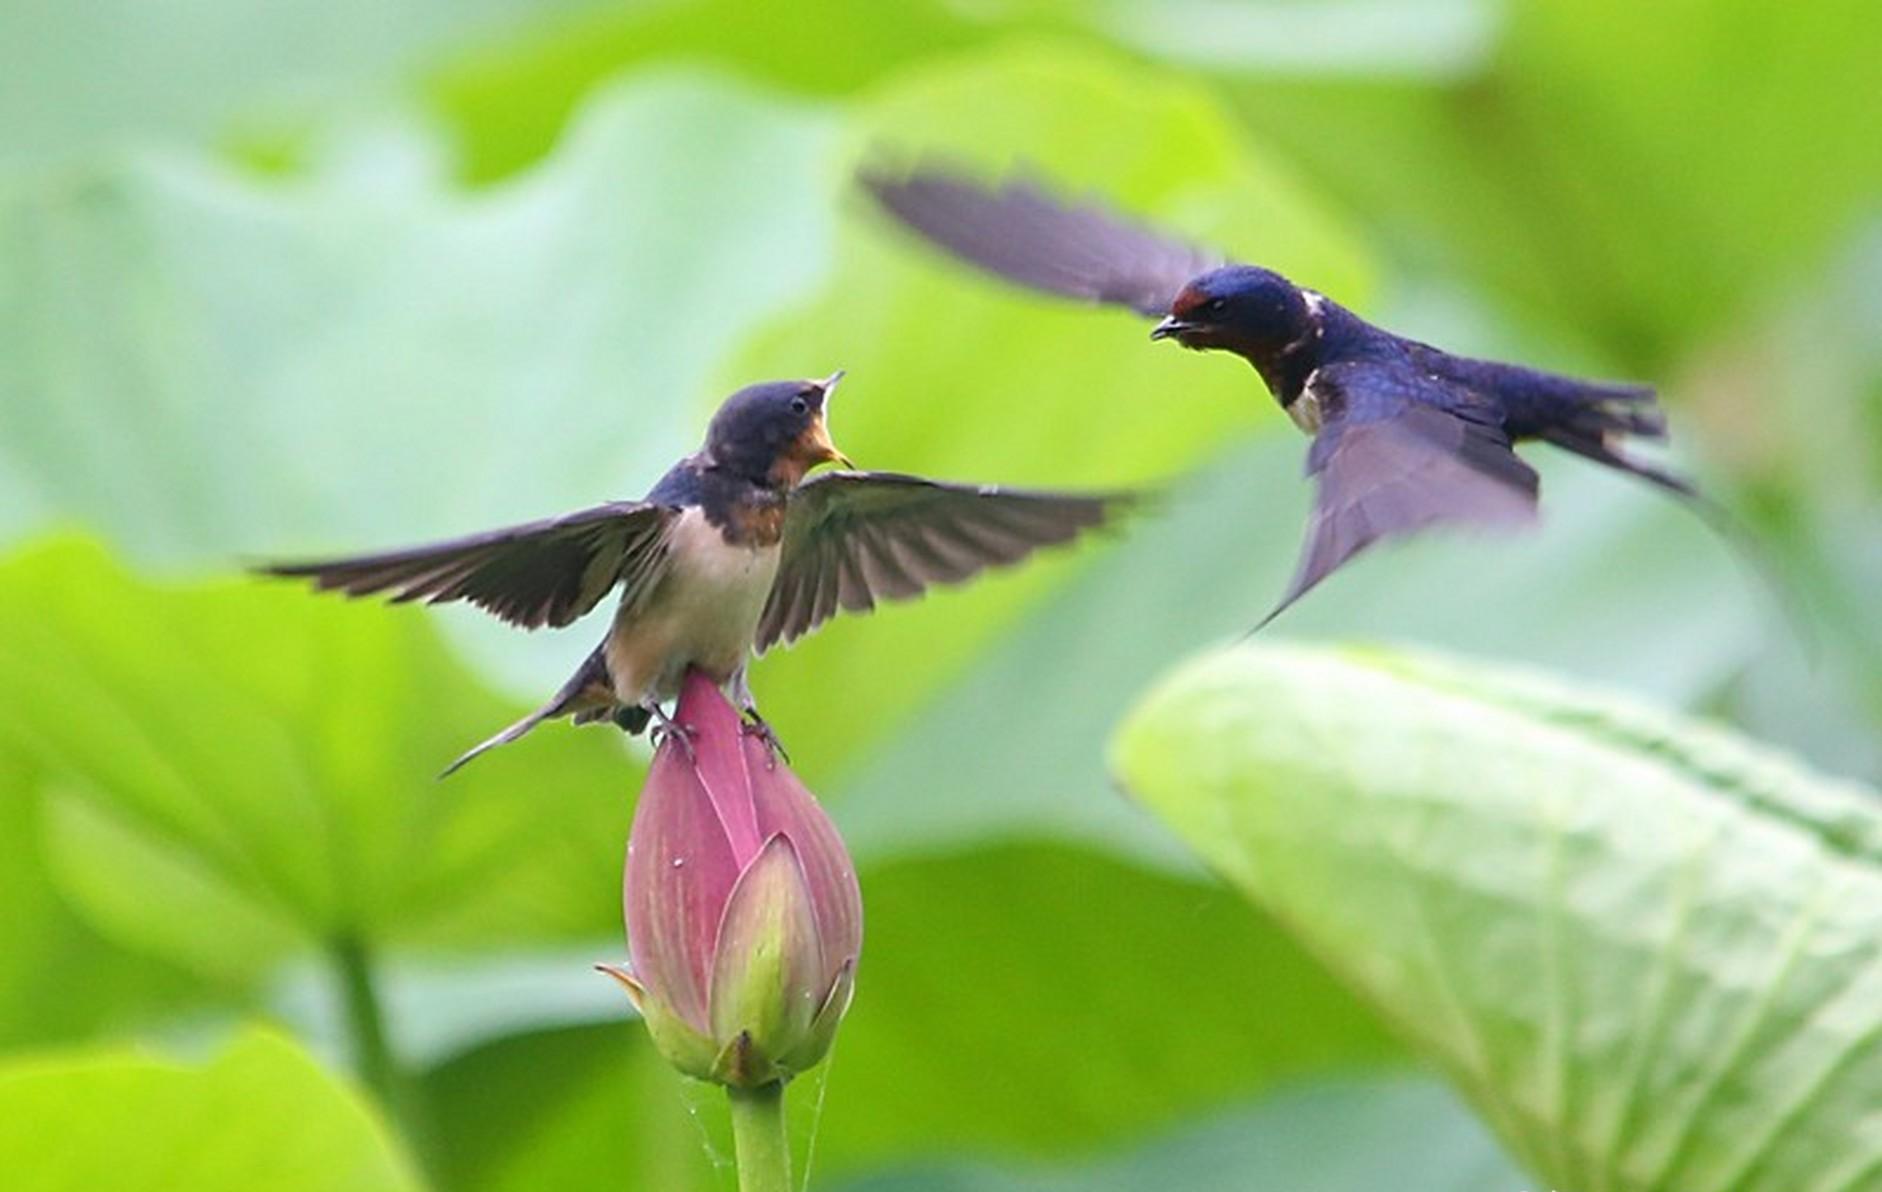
1024	233
1398	451
852	538
545	572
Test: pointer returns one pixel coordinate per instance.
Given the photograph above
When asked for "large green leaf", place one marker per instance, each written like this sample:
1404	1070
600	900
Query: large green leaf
1674	102
202	364
240	771
86	77
551	1109
1649	952
261	1114
1044	999
508	103
59	978
1646	174
1024	1001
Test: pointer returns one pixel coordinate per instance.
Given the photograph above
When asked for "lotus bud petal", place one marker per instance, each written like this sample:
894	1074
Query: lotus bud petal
744	918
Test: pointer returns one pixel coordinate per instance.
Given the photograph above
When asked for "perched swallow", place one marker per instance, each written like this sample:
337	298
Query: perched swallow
1404	435
732	552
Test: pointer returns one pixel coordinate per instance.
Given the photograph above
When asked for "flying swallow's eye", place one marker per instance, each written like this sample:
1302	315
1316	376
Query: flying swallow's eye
799	406
1215	306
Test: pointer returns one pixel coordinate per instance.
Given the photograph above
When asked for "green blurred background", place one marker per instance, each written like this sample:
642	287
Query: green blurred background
302	277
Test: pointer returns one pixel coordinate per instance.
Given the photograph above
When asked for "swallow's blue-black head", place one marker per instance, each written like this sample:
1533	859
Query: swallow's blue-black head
774	432
1252	311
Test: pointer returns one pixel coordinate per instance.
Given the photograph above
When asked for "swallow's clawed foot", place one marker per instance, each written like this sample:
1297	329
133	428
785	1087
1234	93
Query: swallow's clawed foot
666	729
757	726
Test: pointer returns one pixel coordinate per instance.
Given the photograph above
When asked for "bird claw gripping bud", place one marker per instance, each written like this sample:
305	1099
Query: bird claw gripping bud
744	919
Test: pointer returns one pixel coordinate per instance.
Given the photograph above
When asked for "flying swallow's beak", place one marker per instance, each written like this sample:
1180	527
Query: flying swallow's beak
824	451
1170	328
820	440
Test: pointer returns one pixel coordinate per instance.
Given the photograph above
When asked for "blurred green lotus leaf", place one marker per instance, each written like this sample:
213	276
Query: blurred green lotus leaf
1338	1134
260	1114
85	80
1649	176
508	104
237	771
199	363
1648	952
59	978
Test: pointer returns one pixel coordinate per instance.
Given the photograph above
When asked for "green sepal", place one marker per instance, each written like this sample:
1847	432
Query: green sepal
691	1052
765	971
822	1033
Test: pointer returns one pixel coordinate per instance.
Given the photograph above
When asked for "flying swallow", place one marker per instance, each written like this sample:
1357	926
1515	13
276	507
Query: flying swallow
732	552
1405	435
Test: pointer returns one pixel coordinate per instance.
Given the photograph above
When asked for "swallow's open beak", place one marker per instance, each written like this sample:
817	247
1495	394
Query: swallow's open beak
823	449
820	440
1170	328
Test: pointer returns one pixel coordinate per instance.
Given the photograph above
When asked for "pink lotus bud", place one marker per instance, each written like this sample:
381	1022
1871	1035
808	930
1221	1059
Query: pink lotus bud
744	920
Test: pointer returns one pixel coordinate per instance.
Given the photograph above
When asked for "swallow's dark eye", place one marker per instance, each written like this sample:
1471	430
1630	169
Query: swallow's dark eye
1214	306
799	406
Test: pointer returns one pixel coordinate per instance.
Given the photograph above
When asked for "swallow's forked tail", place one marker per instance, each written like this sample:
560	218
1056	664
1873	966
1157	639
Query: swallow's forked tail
503	738
1604	414
1593	419
588	695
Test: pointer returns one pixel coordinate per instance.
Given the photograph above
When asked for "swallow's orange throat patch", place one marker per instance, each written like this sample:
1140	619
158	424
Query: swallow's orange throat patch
805	452
755	523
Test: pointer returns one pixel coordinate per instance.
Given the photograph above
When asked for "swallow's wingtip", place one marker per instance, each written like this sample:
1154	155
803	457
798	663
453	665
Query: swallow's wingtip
1294	593
1263	623
883	169
888	171
1150	499
310	570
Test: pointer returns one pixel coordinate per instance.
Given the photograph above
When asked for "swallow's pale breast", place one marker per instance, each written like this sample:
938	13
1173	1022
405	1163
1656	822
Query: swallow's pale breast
703	611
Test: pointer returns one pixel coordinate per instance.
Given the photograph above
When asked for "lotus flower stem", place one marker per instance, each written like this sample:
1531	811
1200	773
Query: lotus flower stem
366	1029
374	1058
760	1138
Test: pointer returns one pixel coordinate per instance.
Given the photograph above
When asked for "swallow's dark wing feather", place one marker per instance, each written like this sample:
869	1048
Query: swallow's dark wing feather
852	538
545	572
1025	234
1398	451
